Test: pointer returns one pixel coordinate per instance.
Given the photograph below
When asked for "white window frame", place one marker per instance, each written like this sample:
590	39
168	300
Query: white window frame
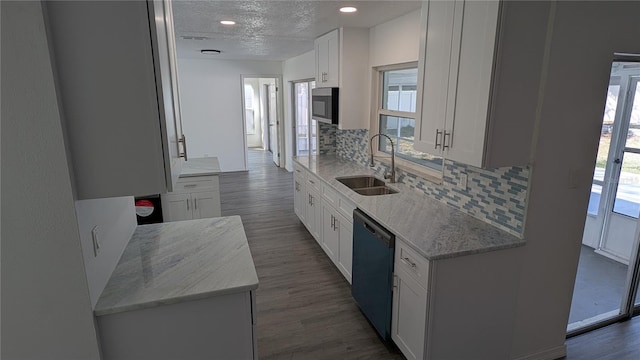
377	110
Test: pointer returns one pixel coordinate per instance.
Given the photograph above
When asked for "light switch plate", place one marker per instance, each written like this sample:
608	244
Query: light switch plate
96	241
462	184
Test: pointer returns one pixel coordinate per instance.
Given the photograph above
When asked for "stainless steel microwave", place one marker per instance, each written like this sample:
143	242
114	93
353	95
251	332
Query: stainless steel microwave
324	105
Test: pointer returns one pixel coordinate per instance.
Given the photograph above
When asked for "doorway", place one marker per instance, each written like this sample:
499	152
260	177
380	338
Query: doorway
261	115
305	132
607	282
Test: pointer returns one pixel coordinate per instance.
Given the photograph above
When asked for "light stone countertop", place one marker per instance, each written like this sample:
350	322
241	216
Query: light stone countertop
200	167
432	228
173	262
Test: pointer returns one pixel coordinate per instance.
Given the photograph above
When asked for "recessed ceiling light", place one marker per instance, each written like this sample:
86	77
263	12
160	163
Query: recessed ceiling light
227	22
210	51
348	9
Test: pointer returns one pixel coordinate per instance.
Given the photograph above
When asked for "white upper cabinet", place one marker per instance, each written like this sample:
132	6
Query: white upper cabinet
116	79
327	57
342	60
480	67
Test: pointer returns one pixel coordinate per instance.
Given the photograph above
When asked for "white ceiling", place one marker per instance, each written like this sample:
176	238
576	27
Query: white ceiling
271	29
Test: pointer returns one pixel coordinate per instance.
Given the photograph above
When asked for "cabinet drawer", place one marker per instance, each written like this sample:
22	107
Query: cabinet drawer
412	263
345	207
329	195
197	183
299	170
314	182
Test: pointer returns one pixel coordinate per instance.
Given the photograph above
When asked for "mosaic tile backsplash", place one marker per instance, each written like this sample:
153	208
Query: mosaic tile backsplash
327	139
496	196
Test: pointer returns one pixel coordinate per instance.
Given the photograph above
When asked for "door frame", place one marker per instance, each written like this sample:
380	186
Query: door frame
279	114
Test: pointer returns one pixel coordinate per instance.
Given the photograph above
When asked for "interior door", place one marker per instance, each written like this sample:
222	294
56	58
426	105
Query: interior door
272	112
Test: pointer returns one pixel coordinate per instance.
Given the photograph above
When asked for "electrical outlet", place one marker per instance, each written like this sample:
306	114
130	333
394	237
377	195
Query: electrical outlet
96	241
462	184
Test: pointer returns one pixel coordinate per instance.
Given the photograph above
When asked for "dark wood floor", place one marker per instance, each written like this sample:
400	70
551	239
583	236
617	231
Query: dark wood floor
305	309
620	341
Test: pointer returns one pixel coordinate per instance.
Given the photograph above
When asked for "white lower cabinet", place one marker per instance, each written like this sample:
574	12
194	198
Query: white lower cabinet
345	244
409	314
193	198
313	219
299	202
330	237
327	215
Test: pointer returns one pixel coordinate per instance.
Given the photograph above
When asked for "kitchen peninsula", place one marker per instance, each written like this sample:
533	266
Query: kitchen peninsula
181	290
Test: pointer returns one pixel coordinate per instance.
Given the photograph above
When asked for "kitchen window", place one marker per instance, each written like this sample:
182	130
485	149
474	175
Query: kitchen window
396	118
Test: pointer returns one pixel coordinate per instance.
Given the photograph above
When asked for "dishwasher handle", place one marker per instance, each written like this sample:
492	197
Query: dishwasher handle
373	227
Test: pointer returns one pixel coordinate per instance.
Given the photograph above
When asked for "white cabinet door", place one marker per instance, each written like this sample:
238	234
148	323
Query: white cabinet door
206	204
466	144
299	204
177	207
166	66
314	214
345	252
327	60
409	316
117	99
436	74
330	238
333	59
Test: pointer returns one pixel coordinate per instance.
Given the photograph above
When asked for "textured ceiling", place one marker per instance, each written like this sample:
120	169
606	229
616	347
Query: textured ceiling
271	29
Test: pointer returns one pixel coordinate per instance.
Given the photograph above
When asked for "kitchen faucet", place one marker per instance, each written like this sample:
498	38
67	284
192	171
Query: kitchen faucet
391	176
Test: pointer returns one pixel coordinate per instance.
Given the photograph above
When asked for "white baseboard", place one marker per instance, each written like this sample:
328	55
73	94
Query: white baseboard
549	354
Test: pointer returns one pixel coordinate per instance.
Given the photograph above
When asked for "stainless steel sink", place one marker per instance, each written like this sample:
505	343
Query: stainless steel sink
366	185
358	182
376	190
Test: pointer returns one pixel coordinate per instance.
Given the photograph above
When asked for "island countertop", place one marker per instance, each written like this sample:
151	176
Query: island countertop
431	227
174	262
200	167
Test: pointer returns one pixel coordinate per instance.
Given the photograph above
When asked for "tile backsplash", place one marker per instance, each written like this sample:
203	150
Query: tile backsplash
496	196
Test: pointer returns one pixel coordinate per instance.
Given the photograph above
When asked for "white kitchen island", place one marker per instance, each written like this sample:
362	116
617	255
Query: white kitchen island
181	290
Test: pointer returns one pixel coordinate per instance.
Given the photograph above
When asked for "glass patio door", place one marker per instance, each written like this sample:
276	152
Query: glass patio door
305	136
607	276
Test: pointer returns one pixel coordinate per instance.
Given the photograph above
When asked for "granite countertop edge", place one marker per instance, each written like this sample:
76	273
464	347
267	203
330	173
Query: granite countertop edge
506	240
174	300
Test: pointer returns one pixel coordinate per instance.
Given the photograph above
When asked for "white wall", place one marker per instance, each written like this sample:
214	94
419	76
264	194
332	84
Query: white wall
46	309
210	91
116	221
585	36
396	41
301	67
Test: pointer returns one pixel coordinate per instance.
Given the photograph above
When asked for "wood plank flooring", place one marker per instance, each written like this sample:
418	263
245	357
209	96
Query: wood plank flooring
620	341
305	308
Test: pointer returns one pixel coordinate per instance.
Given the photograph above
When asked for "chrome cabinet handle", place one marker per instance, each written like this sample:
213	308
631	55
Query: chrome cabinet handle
183	140
408	261
438	132
311	200
311	181
195	204
190	185
333	223
187	204
444	140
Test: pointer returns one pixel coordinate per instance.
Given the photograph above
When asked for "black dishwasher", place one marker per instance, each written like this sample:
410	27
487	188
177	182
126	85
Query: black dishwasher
372	271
